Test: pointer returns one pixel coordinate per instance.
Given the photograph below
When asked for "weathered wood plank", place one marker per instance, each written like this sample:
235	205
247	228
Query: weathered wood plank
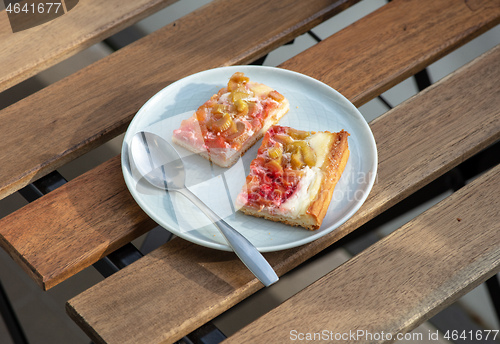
30	51
95	104
181	285
402	280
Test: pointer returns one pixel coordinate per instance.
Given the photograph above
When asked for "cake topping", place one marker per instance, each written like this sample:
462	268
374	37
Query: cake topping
283	158
231	117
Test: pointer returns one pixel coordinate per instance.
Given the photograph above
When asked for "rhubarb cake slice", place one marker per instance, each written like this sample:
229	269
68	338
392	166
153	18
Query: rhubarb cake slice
293	176
231	121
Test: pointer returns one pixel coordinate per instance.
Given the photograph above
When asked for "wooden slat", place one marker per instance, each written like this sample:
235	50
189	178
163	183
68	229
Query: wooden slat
33	254
181	285
402	280
91	106
30	51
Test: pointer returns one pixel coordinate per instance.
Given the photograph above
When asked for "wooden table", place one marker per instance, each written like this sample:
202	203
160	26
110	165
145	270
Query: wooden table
391	287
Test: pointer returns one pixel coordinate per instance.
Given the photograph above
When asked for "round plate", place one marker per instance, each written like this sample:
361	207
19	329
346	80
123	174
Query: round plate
313	106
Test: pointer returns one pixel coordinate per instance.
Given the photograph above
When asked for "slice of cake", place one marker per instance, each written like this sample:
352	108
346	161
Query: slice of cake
231	121
293	176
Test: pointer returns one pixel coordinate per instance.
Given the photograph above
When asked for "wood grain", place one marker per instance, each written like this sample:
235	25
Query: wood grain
30	51
97	103
180	286
122	229
402	280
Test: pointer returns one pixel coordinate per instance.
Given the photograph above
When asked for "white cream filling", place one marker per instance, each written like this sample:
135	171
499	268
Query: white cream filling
304	194
309	184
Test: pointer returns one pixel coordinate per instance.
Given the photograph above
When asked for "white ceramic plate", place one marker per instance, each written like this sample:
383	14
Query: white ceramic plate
313	106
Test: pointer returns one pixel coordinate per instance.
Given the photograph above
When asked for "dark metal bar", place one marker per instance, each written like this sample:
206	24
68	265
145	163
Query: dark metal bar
125	255
259	61
386	103
124	38
105	267
423	79
42	186
314	36
30	193
117	260
155	238
206	334
11	322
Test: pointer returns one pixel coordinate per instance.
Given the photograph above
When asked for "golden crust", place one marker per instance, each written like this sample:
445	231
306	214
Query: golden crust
333	167
298	222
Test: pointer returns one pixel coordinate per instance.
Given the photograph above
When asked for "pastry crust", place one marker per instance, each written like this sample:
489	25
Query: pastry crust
311	216
231	121
332	168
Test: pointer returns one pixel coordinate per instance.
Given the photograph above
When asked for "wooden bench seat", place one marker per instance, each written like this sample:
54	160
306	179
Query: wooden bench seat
90	202
35	49
95	104
399	282
180	286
